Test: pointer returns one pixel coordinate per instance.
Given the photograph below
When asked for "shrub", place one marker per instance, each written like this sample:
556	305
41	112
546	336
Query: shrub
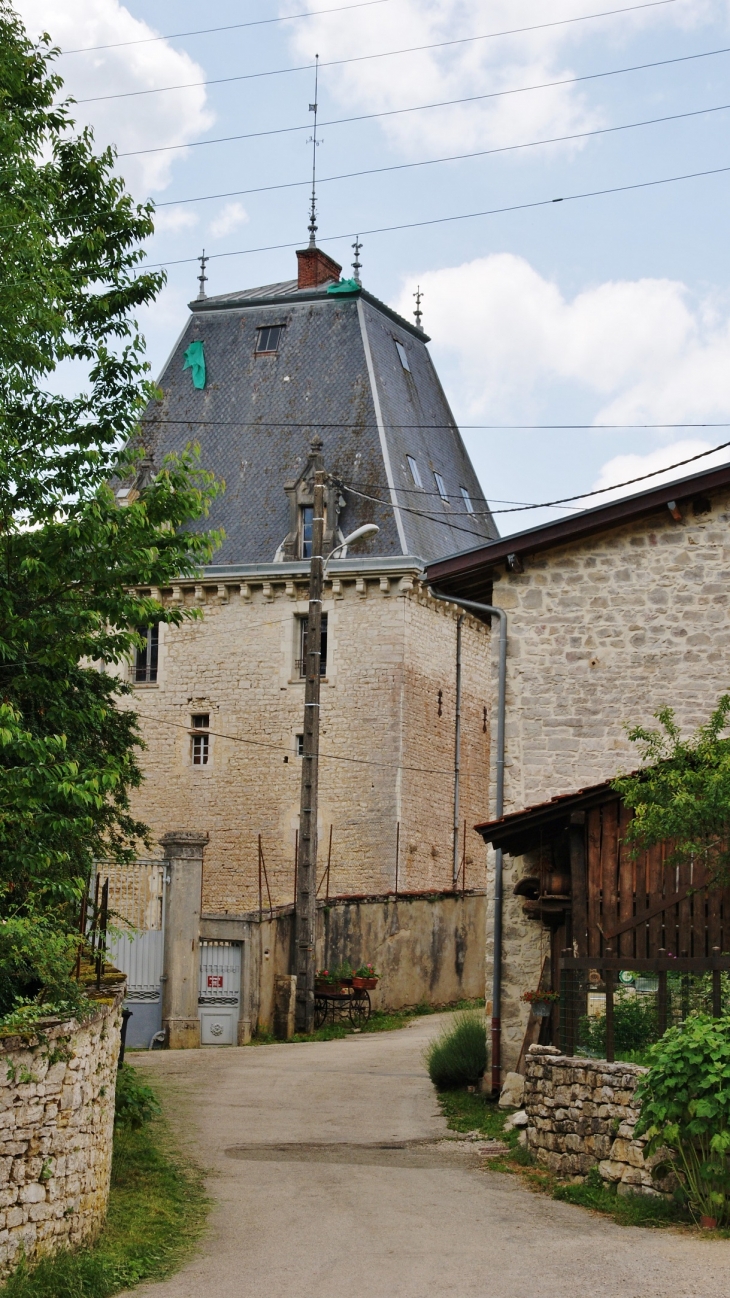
635	1026
685	1107
135	1103
459	1056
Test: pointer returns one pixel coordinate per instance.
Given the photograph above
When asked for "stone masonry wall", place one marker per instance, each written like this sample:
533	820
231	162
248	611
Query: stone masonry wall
387	756
603	632
56	1125
581	1114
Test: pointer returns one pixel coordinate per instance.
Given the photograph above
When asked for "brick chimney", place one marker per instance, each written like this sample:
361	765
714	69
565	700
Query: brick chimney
315	268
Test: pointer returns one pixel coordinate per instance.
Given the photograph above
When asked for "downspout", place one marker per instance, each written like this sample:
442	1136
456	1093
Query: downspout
492	611
457	748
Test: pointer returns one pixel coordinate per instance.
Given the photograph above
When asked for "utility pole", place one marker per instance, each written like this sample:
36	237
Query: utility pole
306	902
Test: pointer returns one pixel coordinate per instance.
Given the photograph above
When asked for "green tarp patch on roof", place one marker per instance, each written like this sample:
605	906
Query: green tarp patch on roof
345	288
194	360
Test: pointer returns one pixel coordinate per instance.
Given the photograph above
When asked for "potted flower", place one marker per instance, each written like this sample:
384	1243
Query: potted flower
541	1002
365	977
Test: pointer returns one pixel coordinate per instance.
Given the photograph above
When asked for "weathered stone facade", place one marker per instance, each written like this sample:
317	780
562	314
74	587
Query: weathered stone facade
581	1114
387	731
602	632
56	1126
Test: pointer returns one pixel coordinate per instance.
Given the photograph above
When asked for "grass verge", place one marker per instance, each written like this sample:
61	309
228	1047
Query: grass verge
379	1021
157	1211
468	1111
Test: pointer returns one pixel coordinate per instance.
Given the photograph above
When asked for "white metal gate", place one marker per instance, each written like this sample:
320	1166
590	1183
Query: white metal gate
136	900
219	992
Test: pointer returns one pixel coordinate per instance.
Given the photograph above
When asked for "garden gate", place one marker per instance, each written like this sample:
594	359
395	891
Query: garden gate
137	904
219	992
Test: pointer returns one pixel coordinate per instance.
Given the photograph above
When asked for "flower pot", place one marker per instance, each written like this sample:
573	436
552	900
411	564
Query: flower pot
364	984
541	1009
708	1223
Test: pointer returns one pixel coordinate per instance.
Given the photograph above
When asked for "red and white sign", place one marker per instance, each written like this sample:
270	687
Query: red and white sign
215	980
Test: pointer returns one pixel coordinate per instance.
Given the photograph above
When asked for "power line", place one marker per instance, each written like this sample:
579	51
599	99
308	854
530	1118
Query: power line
415	108
462	216
454	157
258	22
564	500
361	58
264	424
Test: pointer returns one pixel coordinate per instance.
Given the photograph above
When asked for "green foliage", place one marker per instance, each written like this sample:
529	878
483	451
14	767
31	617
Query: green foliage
683	794
685	1107
635	1026
156	1213
71	244
469	1111
626	1209
135	1103
459	1056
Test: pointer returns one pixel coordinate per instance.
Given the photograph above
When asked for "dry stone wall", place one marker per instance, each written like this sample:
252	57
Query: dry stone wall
581	1114
56	1126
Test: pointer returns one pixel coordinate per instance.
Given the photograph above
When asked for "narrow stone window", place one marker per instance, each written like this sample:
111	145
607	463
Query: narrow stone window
415	472
441	486
300	745
200	739
301	662
268	338
306	527
402	355
146	656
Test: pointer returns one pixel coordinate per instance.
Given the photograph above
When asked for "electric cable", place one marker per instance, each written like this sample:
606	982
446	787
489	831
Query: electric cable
230	27
365	4
445	220
263	425
331	63
454	157
413	108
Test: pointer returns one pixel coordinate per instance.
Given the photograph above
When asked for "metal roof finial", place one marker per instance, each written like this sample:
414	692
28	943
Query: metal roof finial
357	264
202	277
315	144
418	313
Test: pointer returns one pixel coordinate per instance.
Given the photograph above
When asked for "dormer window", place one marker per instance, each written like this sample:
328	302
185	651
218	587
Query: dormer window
467	500
415	474
441	486
268	338
306	528
403	356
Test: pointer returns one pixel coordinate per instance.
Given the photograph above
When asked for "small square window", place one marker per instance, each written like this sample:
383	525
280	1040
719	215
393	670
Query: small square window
441	487
300	745
268	338
467	500
402	354
146	657
414	470
200	739
301	662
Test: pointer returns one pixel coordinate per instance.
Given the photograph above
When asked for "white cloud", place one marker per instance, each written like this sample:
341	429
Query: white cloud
471	69
643	351
228	219
622	468
137	122
174	219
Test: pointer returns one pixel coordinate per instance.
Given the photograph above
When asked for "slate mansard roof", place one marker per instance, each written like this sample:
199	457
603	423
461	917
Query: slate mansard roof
337	373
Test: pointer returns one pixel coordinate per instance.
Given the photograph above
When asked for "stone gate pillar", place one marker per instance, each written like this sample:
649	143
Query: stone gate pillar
183	884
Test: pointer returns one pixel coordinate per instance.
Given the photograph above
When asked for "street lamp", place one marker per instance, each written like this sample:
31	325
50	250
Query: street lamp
306	898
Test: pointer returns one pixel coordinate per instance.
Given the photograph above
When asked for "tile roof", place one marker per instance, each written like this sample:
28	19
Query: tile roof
255	418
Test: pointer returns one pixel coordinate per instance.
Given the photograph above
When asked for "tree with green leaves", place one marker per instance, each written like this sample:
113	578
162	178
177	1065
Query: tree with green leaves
71	556
682	793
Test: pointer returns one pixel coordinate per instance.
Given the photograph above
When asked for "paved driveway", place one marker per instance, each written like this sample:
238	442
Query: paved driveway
312	1199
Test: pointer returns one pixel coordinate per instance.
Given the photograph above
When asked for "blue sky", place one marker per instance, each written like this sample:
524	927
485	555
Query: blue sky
613	309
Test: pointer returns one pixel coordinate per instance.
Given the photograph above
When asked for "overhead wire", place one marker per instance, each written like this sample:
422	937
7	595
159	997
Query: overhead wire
356	58
264	424
230	27
445	220
454	157
366	4
420	108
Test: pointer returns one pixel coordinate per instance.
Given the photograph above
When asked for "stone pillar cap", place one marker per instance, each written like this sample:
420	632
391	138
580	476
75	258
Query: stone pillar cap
184	838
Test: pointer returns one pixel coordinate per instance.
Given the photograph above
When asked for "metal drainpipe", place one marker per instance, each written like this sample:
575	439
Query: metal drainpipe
457	749
493	611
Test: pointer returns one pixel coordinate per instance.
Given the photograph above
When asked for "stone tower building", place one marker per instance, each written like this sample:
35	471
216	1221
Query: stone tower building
259	378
